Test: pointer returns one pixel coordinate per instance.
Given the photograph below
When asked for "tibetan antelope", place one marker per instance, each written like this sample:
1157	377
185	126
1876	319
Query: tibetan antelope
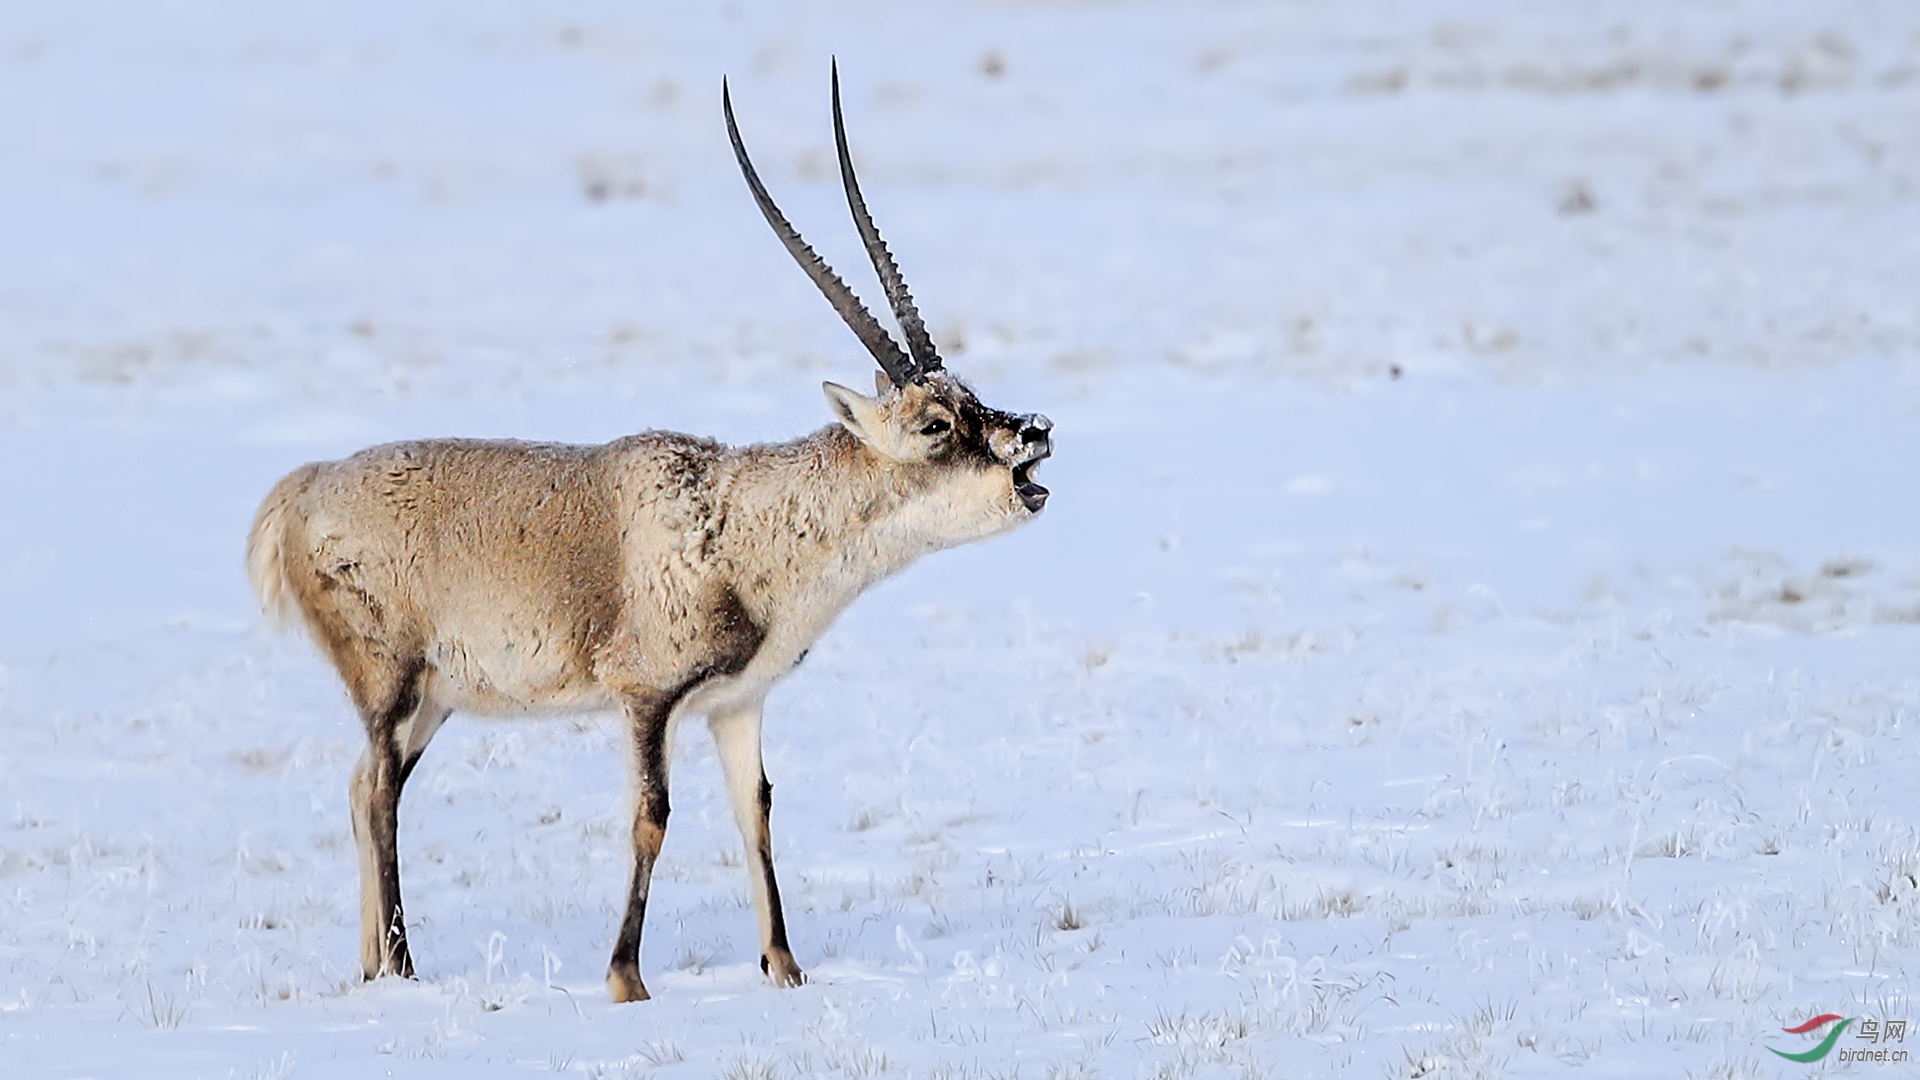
659	575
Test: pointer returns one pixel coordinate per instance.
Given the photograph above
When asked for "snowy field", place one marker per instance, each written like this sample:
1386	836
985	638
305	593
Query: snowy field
1476	631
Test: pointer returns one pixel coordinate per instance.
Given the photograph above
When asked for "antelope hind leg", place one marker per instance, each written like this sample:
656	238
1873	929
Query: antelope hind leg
373	796
737	734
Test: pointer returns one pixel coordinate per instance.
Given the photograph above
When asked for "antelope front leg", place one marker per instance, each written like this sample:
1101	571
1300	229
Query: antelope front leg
737	734
647	717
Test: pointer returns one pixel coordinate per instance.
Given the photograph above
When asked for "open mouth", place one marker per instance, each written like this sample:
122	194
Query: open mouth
1032	495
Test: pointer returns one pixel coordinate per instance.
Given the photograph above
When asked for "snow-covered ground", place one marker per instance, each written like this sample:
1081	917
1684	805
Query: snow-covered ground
1476	631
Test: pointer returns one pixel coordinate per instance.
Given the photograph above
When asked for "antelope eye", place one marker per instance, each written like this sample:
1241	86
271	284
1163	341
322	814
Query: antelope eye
936	427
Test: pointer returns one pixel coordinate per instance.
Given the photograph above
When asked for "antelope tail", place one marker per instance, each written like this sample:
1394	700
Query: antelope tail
266	546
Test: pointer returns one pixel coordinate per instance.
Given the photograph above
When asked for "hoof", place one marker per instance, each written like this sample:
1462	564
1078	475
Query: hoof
399	966
781	969
623	984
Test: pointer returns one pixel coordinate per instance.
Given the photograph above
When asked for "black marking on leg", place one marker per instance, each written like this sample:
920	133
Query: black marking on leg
649	716
735	638
777	919
383	815
406	767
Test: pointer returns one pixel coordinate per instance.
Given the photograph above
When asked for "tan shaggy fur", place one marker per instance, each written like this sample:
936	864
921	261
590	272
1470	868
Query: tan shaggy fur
658	575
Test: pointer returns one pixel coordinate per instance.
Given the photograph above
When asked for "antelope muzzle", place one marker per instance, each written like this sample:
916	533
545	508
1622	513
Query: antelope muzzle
1035	435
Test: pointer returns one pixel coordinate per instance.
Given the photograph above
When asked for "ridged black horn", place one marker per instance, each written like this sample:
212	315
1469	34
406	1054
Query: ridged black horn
919	343
898	366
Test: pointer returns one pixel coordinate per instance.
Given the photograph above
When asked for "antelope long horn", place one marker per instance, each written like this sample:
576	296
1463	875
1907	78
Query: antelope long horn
897	365
919	343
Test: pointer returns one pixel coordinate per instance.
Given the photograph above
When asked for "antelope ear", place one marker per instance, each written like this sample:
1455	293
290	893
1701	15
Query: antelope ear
882	384
858	414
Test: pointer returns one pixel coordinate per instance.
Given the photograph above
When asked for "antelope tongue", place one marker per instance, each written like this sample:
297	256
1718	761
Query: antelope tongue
1032	495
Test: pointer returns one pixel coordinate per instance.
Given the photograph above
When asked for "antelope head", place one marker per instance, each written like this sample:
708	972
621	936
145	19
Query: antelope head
973	463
